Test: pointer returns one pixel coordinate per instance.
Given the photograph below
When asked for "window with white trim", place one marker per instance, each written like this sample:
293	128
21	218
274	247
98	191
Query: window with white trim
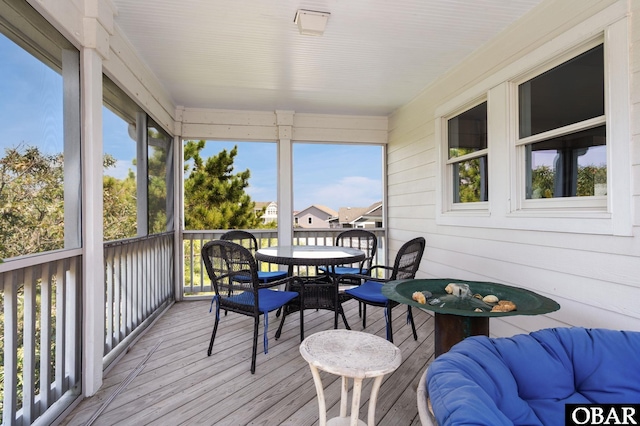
467	156
562	132
558	135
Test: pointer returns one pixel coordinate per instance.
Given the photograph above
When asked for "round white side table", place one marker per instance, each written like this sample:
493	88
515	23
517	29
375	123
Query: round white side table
352	355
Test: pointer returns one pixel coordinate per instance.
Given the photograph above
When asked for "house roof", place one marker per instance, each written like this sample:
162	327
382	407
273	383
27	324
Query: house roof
374	56
261	204
329	211
352	214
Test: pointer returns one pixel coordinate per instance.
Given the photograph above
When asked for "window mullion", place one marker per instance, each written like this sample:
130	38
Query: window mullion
571	128
470	156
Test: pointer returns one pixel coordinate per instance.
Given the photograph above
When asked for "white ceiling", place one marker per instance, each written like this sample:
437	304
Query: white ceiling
375	55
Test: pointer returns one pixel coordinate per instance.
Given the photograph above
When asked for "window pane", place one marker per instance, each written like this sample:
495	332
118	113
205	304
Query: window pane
467	132
567	94
39	157
159	143
230	185
470	181
119	183
337	185
568	166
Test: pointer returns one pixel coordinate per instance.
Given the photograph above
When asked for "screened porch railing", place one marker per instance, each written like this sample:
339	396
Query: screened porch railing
41	299
41	311
139	284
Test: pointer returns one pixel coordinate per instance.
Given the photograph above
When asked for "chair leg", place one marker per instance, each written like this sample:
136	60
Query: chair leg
344	318
213	335
301	324
255	345
279	331
389	323
364	315
413	325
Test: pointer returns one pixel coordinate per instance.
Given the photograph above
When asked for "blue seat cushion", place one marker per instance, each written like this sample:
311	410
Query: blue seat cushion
269	300
342	270
370	291
528	378
263	276
268	276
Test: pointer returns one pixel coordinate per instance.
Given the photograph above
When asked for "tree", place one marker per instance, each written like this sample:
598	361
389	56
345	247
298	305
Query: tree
589	177
31	202
470	181
119	204
31	221
542	182
215	197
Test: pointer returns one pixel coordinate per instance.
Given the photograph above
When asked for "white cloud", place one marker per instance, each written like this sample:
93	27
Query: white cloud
350	191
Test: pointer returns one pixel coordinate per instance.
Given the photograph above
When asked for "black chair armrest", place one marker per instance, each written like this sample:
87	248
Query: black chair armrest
284	281
362	277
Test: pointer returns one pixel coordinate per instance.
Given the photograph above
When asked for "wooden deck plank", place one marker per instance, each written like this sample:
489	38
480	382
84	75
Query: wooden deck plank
180	384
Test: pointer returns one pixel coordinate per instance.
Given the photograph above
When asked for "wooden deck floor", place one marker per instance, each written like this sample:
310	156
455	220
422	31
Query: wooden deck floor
177	384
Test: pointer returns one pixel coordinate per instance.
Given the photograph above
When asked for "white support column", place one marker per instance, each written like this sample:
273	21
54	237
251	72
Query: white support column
178	216
98	27
285	177
92	224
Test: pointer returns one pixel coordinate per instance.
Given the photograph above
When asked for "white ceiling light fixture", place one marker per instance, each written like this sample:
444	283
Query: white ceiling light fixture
311	22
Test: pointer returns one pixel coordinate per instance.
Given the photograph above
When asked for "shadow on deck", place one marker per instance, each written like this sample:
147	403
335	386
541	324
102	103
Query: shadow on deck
167	379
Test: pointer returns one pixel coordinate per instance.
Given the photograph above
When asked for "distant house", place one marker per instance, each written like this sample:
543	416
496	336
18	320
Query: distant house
315	216
358	217
271	211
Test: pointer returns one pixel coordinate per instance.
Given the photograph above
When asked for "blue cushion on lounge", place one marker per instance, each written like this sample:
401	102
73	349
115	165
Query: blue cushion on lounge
269	299
528	378
368	290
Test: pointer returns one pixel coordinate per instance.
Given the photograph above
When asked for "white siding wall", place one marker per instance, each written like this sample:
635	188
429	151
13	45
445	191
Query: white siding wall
595	278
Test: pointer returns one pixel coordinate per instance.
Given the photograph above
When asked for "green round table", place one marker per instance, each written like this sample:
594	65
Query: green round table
455	317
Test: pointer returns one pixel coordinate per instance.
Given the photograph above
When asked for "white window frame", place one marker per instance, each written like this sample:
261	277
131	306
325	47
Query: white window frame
566	205
448	180
506	208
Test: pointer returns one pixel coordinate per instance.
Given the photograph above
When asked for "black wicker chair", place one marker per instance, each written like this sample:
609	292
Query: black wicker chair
370	291
234	275
360	239
248	240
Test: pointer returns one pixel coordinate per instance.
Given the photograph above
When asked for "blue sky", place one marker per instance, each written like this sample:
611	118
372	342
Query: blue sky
331	175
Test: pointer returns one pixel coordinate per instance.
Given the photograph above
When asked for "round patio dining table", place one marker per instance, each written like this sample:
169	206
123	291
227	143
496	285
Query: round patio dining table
457	318
310	255
318	294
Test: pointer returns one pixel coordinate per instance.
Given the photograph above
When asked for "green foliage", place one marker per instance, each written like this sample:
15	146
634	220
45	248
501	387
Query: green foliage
470	181
119	207
589	177
215	197
31	202
157	187
543	181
